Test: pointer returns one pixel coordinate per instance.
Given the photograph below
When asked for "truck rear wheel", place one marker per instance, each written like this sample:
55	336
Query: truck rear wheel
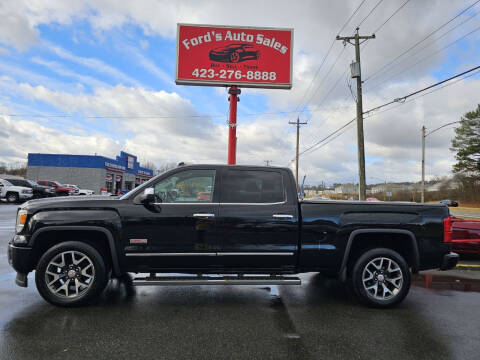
71	274
381	278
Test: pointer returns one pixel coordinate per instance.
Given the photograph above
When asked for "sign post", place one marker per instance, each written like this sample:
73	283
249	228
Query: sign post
214	55
232	125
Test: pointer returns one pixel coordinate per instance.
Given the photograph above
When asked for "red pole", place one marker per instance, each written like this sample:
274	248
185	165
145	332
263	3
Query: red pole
232	125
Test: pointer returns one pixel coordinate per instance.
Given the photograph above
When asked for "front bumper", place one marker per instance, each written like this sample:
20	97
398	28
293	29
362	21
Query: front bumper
449	261
25	196
20	258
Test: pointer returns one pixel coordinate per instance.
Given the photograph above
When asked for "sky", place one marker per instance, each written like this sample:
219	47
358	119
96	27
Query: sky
98	76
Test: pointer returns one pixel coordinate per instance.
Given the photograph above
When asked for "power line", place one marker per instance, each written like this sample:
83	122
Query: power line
326	56
391	16
405	97
441	127
427	93
374	74
385	22
325	77
327	137
370	13
435	52
155	116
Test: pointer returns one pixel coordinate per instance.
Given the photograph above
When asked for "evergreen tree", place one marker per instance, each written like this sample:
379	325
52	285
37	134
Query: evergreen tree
466	146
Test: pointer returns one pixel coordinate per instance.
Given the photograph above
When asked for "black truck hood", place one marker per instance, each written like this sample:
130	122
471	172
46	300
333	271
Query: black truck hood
69	202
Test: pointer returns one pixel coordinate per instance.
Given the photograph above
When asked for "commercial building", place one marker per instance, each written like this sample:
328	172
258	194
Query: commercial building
92	172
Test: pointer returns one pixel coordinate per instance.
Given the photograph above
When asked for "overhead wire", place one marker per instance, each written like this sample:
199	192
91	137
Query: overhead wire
378	28
403	98
326	56
370	13
390	17
382	68
435	52
316	146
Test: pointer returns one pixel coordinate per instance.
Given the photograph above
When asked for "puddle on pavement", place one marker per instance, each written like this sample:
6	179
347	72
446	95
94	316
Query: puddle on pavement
440	282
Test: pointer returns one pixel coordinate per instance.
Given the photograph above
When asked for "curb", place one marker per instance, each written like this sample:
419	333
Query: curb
468	267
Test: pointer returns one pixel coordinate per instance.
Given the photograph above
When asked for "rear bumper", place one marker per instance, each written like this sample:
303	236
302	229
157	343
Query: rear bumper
449	261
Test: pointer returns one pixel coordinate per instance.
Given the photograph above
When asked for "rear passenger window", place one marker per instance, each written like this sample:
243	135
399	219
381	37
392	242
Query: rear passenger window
250	186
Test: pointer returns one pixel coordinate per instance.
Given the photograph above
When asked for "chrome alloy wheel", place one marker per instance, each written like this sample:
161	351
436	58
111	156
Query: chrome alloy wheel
382	278
69	274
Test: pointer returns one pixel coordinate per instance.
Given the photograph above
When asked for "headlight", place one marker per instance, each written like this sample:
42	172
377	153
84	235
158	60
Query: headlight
21	220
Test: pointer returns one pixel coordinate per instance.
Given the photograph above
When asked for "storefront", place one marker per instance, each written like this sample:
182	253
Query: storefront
91	172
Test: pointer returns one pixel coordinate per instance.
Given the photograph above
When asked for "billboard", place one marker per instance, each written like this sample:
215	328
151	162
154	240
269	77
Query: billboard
227	55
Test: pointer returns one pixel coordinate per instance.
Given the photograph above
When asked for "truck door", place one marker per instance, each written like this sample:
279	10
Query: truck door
178	230
258	225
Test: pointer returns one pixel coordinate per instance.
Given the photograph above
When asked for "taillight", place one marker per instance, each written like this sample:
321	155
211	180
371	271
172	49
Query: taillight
447	229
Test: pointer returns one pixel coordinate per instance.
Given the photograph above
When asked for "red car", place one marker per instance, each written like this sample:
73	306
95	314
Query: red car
465	236
60	189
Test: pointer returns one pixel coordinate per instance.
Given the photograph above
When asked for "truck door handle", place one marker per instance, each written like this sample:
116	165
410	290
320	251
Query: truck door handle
282	216
203	216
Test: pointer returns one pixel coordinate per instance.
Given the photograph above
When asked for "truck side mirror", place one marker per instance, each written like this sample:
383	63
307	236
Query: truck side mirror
148	196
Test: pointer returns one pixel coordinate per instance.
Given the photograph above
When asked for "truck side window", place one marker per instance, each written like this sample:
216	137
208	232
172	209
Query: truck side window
252	186
186	187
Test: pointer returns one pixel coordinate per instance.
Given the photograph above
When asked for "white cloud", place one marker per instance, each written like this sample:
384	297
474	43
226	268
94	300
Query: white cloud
96	65
392	138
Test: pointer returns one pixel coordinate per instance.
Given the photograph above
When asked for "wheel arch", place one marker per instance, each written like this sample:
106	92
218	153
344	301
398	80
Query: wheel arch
359	237
106	244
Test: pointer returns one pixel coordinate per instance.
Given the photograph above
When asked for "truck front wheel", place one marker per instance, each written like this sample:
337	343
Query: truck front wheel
71	274
12	197
381	278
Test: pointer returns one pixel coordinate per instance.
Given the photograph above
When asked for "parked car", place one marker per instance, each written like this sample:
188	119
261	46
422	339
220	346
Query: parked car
79	191
466	236
234	53
204	196
60	189
14	193
253	224
39	191
449	203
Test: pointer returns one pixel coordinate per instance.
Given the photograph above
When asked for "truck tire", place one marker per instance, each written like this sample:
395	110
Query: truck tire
12	197
381	278
71	274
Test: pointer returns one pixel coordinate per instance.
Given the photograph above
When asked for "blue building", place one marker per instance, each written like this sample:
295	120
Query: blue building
92	172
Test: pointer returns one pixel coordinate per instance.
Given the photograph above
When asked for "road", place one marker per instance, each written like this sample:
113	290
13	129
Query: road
474	214
318	320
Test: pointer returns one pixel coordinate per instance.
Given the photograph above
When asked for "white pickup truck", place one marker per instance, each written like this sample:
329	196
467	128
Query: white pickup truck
14	193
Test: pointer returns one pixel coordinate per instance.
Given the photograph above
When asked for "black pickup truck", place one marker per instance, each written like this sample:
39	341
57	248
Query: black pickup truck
243	222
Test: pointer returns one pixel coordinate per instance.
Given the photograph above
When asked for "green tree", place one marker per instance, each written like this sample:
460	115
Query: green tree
466	146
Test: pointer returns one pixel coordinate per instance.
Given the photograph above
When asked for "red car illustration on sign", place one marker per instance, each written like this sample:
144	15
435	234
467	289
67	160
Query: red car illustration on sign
234	53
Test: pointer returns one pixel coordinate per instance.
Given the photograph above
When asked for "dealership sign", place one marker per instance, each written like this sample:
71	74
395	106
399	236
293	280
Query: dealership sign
227	55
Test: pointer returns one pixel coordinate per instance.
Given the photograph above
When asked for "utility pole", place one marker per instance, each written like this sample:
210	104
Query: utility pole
267	162
423	163
385	191
356	72
298	123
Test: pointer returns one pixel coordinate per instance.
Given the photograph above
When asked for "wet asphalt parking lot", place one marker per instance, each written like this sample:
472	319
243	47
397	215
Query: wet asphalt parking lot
440	319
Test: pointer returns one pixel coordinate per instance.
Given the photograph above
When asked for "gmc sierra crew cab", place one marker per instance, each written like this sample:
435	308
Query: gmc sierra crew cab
243	222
